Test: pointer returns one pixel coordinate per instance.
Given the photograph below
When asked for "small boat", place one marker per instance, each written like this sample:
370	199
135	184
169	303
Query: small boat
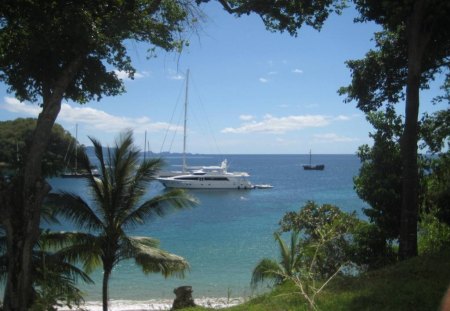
81	174
209	177
263	186
313	167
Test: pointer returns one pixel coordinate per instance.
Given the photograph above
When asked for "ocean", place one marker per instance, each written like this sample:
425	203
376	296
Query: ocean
226	235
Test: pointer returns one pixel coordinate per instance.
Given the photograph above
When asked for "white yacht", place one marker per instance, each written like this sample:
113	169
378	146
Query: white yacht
209	177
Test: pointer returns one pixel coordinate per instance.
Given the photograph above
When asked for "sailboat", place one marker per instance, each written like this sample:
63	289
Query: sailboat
312	167
203	177
76	173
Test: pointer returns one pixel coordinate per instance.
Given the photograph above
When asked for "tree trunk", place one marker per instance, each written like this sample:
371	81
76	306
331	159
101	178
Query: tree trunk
22	215
105	295
417	40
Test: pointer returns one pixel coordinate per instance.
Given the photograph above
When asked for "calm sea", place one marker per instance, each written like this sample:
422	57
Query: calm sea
230	231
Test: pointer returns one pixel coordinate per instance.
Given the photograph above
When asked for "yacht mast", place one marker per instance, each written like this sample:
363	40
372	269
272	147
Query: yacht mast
76	147
185	121
145	144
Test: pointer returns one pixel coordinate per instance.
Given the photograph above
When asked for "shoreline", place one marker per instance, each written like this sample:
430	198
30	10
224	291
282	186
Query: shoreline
158	304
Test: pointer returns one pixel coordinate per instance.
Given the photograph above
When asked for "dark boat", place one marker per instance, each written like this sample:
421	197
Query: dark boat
313	167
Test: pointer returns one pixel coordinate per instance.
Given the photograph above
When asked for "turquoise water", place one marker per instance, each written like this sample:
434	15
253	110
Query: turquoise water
230	231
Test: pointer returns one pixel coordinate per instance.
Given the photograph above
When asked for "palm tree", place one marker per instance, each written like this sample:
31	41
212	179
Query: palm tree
119	205
278	271
54	277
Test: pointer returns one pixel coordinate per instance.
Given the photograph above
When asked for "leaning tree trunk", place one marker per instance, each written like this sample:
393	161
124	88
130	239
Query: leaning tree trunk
21	218
417	41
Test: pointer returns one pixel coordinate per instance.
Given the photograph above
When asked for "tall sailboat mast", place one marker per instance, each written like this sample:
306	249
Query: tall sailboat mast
76	147
185	121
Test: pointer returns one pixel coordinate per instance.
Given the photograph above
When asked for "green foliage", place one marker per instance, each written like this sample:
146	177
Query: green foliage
369	248
119	206
16	137
54	277
437	187
40	39
379	180
325	226
318	252
287	16
289	264
435	130
434	235
380	77
418	284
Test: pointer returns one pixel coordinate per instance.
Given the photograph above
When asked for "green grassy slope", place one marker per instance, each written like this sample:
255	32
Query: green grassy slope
416	284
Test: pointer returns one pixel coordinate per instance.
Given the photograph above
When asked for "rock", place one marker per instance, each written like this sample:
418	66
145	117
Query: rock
183	298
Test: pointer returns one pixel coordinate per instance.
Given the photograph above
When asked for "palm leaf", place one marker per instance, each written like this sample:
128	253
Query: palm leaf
74	208
159	206
85	248
152	259
55	264
266	269
145	173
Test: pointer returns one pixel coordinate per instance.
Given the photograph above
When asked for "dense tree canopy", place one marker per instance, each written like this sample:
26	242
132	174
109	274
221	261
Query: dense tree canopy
379	180
15	138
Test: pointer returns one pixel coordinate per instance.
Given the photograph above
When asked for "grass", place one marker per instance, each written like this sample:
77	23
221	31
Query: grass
415	284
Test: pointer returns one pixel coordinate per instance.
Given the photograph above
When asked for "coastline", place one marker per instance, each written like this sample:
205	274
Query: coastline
157	304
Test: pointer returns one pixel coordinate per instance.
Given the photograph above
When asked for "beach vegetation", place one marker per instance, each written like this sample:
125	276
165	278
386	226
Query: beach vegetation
55	277
119	203
278	271
318	251
52	51
418	284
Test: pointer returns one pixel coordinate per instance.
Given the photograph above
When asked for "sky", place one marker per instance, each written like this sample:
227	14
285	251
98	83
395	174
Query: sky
250	91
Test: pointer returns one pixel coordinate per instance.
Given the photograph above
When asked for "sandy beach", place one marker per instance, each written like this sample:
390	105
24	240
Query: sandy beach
157	305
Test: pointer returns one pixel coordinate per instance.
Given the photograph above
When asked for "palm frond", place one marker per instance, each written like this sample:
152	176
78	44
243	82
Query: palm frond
53	240
137	187
48	214
55	264
266	269
96	187
159	206
289	257
84	248
152	259
74	208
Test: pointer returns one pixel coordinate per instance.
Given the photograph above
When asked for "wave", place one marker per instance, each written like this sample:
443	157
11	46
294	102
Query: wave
157	304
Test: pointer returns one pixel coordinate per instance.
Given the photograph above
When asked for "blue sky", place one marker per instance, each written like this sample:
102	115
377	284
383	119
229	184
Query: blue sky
250	92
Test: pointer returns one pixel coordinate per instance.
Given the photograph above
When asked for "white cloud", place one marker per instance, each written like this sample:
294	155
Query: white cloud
14	105
263	80
271	124
95	118
123	75
272	73
333	137
246	117
297	71
342	118
175	75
